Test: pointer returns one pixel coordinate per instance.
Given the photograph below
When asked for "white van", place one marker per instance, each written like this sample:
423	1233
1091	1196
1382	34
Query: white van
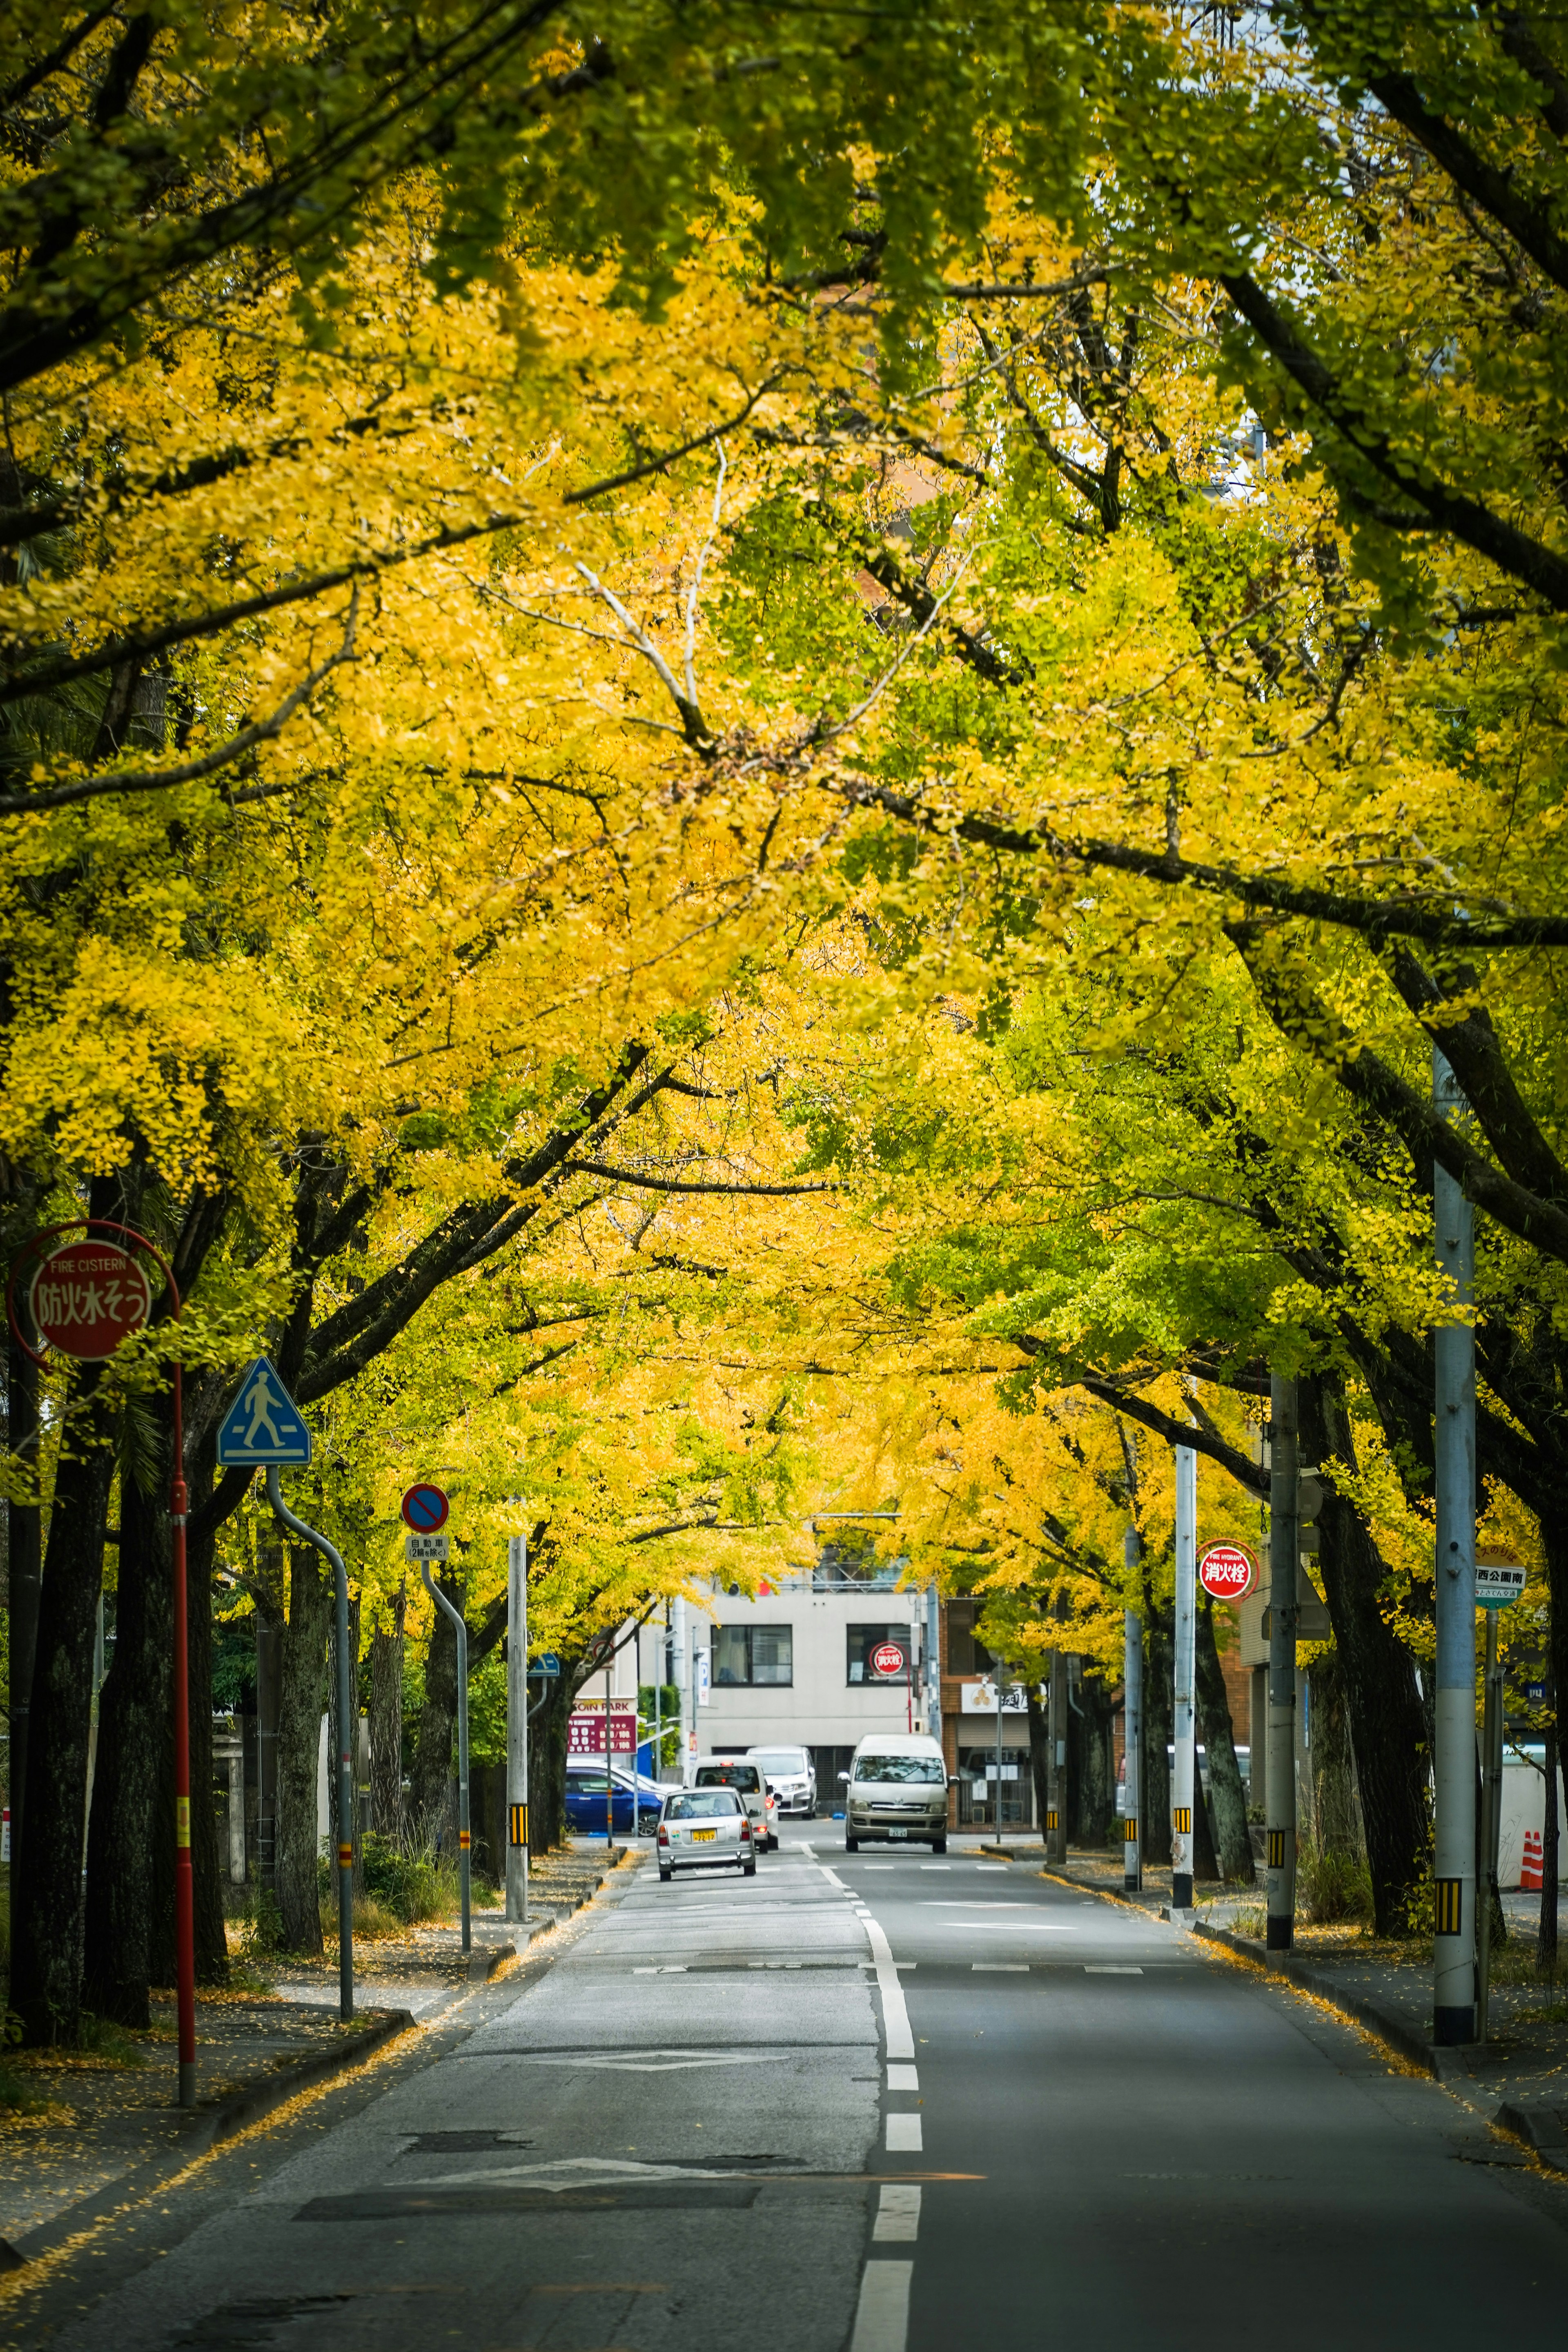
896	1789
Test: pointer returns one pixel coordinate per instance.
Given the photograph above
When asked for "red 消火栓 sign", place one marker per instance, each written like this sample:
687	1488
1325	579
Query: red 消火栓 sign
1228	1571
586	1730
86	1296
887	1658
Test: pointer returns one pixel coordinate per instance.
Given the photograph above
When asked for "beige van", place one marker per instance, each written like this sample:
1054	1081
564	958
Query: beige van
897	1790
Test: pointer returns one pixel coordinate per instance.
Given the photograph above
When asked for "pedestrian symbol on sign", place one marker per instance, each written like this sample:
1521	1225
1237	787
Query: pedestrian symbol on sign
264	1425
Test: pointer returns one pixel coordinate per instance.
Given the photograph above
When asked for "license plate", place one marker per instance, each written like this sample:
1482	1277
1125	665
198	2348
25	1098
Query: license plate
703	1837
898	1833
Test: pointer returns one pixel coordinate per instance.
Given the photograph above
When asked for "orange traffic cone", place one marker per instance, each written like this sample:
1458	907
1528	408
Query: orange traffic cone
1530	1869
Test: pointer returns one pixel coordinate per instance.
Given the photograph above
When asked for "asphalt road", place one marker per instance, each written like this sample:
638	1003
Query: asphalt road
853	2104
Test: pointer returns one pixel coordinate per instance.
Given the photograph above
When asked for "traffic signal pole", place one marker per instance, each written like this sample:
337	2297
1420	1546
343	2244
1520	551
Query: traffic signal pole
1454	1856
1283	1548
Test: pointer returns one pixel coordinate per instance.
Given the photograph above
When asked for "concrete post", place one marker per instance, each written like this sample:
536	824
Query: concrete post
1454	1857
1280	1875
1056	1838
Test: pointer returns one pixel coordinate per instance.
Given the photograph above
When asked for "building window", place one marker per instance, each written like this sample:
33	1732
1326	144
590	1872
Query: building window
753	1653
866	1641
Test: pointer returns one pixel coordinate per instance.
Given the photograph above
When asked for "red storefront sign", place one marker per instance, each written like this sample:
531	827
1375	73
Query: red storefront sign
88	1296
586	1730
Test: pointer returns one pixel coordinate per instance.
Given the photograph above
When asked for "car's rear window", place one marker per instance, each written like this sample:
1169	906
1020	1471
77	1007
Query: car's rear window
701	1805
925	1769
729	1776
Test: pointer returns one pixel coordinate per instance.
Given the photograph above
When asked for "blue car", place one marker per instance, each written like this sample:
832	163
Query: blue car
637	1799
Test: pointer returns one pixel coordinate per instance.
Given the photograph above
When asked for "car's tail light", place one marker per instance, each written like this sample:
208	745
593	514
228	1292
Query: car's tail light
746	1829
663	1834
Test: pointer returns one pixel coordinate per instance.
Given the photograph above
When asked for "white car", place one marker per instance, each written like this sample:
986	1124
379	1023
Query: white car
897	1789
791	1778
705	1828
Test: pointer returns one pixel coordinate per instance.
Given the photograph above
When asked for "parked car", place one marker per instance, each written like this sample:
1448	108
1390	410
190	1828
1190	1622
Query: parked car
705	1828
896	1789
792	1777
738	1772
637	1798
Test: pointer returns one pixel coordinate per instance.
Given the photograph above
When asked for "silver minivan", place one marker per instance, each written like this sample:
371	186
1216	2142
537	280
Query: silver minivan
897	1790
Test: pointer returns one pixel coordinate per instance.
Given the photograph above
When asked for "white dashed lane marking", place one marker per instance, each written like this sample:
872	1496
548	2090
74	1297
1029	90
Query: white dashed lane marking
882	2321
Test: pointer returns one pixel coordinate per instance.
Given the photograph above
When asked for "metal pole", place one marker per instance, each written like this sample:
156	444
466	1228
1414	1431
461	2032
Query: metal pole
1057	1825
184	1898
998	1677
678	1610
1132	1728
1491	1811
1184	1712
348	1722
1283	1547
609	1768
464	1841
517	1730
1453	1858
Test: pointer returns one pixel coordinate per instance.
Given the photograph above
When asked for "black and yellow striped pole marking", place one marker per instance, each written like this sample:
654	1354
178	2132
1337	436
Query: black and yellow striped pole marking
1276	1849
517	1825
1448	1906
1182	1819
1130	1830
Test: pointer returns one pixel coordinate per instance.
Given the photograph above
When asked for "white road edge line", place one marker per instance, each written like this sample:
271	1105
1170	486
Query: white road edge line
882	2319
896	2031
897	2218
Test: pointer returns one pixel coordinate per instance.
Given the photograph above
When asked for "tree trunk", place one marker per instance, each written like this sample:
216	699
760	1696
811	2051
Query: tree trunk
1546	1933
1155	1783
430	1796
1039	1756
299	1750
133	1782
1092	1811
1388	1724
547	1754
24	1558
386	1723
1226	1791
46	1890
209	1867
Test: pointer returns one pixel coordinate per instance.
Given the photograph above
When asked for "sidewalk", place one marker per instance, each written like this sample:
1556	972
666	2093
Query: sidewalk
1518	2080
88	2129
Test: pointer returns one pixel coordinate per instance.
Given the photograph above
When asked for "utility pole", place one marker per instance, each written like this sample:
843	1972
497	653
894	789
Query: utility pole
1184	1709
1131	1728
1057	1825
517	1729
999	1677
1454	1353
1283	1567
678	1614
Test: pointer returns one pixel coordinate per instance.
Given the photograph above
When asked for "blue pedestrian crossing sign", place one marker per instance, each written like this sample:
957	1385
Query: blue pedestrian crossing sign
263	1424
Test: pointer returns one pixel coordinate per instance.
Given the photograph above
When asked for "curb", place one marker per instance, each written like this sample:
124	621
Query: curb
250	2106
209	2128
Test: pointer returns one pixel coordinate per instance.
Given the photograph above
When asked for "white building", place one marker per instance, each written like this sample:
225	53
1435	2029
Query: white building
819	1659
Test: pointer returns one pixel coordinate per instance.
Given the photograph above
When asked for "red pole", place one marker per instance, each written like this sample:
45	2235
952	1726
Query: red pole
184	1900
